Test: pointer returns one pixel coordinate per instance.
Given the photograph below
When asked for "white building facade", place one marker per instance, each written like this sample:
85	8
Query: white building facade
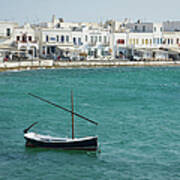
24	39
54	42
92	41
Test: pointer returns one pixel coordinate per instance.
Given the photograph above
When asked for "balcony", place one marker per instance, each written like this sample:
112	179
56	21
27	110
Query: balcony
106	43
24	42
57	43
92	44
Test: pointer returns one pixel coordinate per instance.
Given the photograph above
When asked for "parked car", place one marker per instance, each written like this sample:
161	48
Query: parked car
136	58
64	58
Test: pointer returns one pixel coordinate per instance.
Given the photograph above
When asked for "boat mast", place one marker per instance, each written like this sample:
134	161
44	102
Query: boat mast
65	109
72	115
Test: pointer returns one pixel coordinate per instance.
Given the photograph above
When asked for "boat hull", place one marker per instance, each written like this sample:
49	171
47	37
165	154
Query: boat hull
87	144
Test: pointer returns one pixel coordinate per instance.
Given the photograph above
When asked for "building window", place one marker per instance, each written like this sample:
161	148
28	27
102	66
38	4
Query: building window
130	41
142	41
8	32
53	49
24	38
43	50
102	52
105	39
164	41
62	39
136	28
52	39
47	38
171	41
95	38
157	40
17	38
86	38
133	41
30	38
100	39
79	41
146	41
154	29
168	41
144	29
57	38
137	41
161	29
91	39
177	40
120	41
74	40
150	41
161	41
48	50
67	38
89	52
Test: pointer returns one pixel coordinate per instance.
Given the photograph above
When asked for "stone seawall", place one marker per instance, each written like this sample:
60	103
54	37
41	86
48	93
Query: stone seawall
23	65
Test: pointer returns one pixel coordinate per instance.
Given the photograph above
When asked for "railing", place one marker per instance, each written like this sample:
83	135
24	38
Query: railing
58	43
92	44
26	41
106	44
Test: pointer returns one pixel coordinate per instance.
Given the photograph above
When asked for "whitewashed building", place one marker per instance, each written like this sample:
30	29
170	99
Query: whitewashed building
96	42
7	29
6	38
54	42
25	41
6	33
82	40
73	39
171	40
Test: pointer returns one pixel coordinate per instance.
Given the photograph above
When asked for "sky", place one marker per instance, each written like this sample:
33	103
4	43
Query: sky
35	11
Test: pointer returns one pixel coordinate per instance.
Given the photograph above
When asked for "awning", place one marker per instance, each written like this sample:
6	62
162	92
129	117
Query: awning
83	54
160	51
143	50
68	49
4	48
175	50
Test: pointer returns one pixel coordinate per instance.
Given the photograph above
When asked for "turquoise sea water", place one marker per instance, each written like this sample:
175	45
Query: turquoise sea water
138	111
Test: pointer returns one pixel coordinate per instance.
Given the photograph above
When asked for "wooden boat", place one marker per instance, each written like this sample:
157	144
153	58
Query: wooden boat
45	141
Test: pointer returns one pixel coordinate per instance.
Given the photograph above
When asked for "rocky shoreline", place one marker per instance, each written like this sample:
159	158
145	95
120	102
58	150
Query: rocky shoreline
51	64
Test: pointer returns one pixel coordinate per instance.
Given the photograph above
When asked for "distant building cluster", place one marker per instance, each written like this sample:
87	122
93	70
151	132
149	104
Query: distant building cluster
61	40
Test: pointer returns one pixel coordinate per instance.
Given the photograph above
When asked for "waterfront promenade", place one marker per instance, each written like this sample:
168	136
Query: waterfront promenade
43	64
